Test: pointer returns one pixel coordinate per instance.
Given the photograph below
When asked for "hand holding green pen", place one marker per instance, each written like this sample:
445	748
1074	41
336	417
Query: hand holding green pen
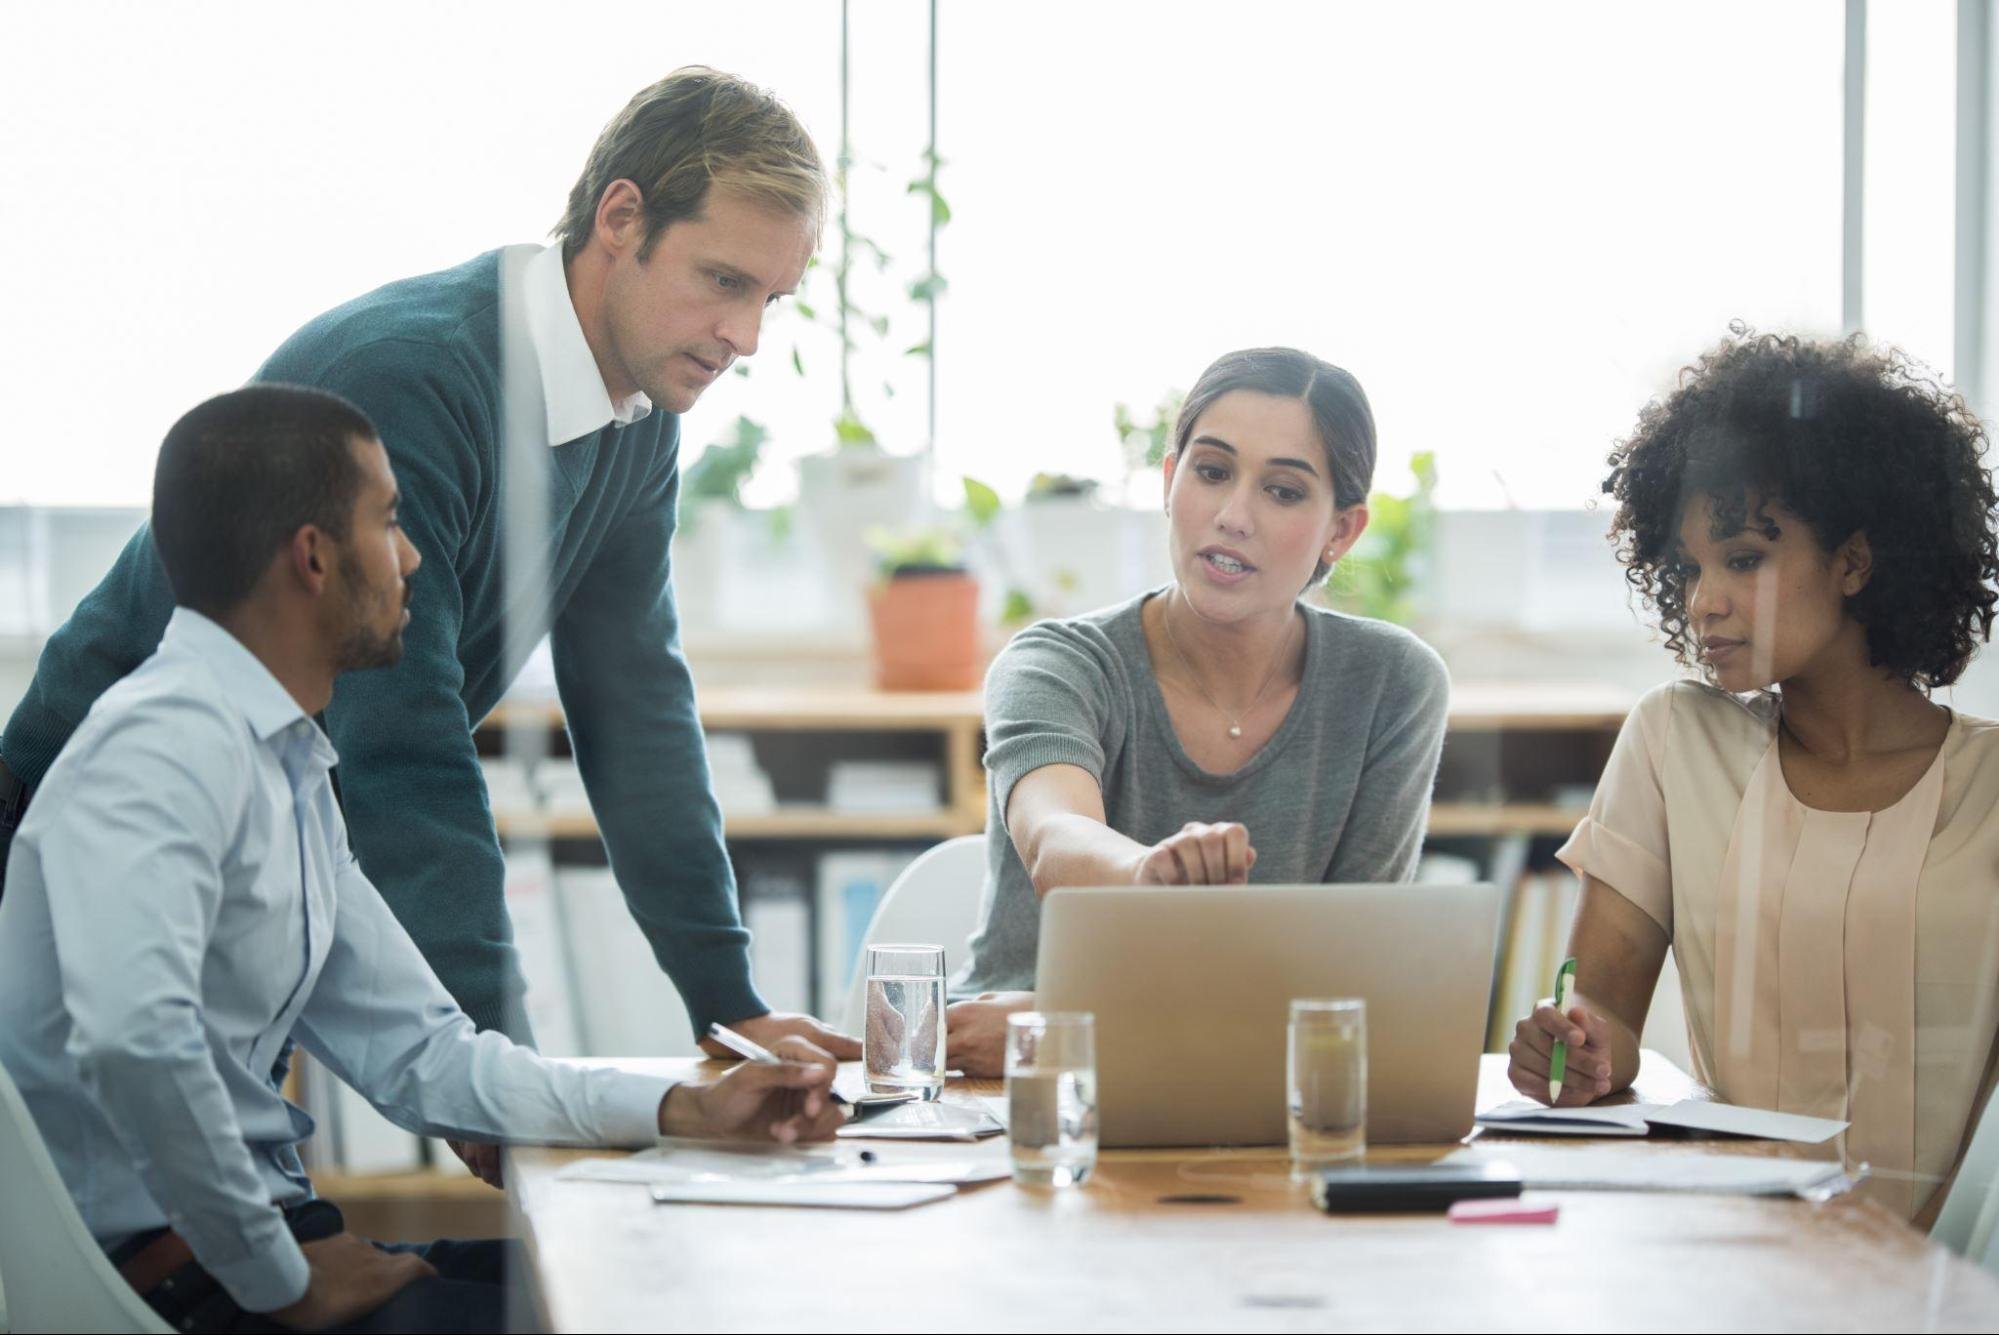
1558	1062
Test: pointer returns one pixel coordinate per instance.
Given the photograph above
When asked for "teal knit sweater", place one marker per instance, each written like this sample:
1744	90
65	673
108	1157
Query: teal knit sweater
421	357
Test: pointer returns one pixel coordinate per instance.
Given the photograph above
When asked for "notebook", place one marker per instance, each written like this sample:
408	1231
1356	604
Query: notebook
924	1121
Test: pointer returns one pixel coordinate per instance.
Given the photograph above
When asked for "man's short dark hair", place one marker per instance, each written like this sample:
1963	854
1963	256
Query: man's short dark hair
239	475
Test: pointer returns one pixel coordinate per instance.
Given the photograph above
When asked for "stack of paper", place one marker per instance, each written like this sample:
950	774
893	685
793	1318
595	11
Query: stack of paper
814	1176
1637	1119
1607	1168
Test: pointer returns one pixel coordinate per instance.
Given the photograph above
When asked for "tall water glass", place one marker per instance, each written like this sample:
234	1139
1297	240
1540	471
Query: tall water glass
903	1042
1051	1096
1327	1083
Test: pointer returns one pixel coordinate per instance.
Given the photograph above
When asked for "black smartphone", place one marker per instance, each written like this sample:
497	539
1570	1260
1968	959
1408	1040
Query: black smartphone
1396	1188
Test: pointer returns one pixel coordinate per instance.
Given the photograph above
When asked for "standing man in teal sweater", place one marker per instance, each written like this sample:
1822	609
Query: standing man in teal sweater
699	207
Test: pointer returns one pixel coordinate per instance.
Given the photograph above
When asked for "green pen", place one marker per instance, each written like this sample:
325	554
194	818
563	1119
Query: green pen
1558	1064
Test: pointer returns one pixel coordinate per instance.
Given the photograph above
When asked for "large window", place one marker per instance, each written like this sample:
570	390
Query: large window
1511	221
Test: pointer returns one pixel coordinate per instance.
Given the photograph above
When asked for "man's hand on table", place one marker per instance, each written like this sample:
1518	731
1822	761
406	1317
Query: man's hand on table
975	1031
766	1030
483	1160
754	1101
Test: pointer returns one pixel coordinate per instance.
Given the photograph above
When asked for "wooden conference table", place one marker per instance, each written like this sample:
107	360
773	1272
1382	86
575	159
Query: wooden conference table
1113	1255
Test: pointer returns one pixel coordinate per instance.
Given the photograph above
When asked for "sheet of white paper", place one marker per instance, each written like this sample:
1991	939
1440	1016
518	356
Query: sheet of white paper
679	1162
1525	1118
1586	1168
811	1195
1698	1115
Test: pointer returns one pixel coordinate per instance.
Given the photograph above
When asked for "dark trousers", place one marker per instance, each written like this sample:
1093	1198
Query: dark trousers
478	1287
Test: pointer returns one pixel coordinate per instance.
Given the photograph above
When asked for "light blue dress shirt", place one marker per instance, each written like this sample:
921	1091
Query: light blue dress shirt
180	900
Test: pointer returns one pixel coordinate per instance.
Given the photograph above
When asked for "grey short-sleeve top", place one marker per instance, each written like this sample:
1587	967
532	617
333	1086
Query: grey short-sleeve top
1341	792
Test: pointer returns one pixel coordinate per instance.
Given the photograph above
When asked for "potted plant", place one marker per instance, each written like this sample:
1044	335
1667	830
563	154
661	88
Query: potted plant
711	495
924	613
846	494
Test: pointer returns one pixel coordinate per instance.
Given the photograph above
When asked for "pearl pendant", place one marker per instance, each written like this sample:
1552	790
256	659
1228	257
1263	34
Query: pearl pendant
1235	729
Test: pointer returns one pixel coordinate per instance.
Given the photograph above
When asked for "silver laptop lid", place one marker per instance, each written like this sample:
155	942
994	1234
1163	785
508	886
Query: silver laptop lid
1192	985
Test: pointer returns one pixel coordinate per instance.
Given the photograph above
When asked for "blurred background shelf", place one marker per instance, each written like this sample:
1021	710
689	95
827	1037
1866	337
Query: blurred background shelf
1472	819
809	824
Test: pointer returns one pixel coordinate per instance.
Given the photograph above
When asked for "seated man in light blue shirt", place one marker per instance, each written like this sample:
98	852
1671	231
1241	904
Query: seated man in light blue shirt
181	901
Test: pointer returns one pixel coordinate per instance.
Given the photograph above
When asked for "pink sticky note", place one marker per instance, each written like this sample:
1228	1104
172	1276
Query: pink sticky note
1512	1210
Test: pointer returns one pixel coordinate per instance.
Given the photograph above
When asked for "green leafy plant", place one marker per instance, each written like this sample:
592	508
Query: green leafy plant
719	474
1044	486
900	551
847	316
1144	440
1380	576
982	509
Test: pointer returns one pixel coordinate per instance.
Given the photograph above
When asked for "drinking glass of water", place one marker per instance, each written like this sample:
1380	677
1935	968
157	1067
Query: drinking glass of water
1327	1083
1051	1096
902	1045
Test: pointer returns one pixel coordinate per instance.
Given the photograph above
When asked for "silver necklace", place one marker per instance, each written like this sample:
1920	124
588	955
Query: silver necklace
1235	724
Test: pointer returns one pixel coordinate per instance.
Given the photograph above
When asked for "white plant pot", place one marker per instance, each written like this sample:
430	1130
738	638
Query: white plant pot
1075	556
844	493
699	561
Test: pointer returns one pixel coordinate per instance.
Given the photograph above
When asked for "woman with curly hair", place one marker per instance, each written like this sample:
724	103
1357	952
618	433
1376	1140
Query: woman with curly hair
1812	524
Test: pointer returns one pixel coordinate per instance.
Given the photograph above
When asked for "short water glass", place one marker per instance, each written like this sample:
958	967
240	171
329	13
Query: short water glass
1326	1083
1051	1096
902	1042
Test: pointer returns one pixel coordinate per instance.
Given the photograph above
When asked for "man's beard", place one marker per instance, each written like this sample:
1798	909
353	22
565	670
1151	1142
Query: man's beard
360	645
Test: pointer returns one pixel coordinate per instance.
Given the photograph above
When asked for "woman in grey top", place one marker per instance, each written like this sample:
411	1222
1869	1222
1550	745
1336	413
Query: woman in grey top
1218	730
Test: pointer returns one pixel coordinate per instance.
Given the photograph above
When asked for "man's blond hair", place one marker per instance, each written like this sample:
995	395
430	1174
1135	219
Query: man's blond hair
695	128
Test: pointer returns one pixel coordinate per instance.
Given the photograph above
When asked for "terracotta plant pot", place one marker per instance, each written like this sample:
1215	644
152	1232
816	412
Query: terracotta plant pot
926	630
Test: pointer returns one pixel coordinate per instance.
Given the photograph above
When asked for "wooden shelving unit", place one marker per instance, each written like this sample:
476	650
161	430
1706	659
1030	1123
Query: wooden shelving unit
1472	819
1495	720
954	717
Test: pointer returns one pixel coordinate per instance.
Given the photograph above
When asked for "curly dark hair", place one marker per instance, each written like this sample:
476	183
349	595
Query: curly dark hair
1849	437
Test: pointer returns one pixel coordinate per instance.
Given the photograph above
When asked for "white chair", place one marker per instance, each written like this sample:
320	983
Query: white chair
1968	1224
56	1276
936	899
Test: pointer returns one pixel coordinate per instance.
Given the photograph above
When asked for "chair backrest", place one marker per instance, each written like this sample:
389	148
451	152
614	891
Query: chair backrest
56	1276
1968	1224
935	899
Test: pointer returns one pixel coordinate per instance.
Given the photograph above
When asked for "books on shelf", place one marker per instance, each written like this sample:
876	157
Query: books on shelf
508	785
559	784
1544	907
778	911
883	786
741	786
626	1005
542	948
851	885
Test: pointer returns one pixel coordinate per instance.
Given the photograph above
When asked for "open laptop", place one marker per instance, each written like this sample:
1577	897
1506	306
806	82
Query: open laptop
1192	986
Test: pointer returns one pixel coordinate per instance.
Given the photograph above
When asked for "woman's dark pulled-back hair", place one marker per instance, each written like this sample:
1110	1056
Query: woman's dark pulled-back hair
1339	408
240	474
1852	439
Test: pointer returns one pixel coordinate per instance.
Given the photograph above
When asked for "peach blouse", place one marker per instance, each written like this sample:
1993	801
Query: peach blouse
1841	964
